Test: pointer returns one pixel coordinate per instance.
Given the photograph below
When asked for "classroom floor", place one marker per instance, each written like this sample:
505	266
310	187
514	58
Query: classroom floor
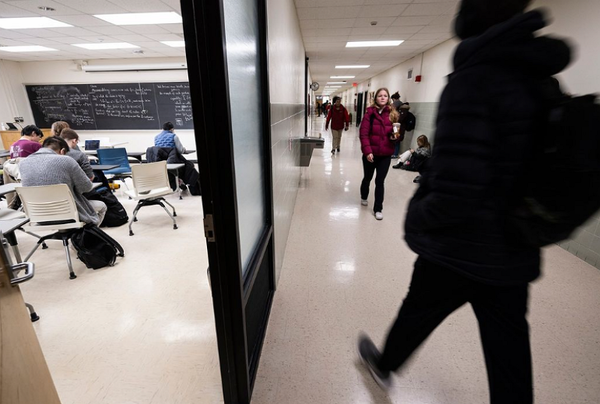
345	272
139	332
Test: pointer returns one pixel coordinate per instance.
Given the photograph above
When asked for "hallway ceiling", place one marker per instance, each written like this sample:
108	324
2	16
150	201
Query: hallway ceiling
327	26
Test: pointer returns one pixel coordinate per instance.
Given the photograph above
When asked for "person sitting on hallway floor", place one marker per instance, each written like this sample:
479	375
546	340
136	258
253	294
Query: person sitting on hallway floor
50	166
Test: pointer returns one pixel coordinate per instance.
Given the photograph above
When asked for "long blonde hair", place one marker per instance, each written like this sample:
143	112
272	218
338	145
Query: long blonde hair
394	115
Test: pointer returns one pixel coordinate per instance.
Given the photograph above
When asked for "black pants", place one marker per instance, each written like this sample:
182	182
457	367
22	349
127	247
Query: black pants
381	164
434	293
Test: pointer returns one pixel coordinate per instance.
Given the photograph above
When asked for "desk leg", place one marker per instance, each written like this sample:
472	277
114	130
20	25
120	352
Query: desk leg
177	181
12	241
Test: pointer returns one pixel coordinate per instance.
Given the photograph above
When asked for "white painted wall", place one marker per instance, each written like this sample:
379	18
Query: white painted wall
578	21
286	53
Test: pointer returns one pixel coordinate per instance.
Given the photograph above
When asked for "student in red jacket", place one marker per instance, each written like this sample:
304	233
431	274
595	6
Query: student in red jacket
377	140
340	120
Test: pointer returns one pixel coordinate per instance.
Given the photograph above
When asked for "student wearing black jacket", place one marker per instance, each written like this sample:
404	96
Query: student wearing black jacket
455	222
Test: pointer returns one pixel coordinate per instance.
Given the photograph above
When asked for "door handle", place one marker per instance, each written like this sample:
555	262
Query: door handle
29	268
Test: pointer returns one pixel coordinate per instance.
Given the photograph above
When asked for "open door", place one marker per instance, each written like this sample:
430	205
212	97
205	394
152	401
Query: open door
226	48
24	374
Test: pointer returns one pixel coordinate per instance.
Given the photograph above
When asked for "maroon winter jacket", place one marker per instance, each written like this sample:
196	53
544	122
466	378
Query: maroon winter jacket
339	118
378	141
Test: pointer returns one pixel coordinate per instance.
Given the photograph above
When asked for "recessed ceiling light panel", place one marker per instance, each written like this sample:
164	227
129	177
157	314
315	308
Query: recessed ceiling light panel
336	82
170	17
362	44
31	48
31	22
342	77
174	44
102	45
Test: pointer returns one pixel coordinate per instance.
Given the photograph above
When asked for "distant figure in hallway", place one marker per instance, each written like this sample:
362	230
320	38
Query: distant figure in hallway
377	140
396	103
488	119
423	152
168	138
340	121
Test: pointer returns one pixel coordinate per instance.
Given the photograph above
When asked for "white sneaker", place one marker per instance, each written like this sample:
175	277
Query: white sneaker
364	202
378	215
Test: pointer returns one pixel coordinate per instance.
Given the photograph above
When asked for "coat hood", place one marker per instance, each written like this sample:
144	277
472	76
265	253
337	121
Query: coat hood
512	44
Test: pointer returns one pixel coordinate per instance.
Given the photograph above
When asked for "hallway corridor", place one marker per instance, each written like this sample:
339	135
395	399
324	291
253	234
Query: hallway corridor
345	272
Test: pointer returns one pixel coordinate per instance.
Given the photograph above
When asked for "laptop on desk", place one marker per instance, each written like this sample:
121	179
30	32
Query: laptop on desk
92	144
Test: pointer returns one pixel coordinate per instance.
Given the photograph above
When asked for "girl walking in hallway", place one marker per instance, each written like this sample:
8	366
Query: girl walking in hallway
377	139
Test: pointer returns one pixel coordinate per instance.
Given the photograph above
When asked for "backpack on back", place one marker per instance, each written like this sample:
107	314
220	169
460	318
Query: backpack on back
562	184
410	121
95	248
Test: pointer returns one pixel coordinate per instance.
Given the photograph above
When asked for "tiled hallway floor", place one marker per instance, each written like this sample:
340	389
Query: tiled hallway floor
345	272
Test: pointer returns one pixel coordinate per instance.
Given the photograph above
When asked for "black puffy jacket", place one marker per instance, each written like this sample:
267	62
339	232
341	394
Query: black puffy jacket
485	128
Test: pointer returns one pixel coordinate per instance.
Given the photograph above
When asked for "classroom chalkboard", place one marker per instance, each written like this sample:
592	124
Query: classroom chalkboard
112	106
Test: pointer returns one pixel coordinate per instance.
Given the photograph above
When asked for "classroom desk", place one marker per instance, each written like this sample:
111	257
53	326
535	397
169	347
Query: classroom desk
8	188
135	155
104	167
8	227
175	169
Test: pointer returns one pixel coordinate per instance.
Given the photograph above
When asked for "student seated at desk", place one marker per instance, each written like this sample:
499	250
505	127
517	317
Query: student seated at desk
29	142
57	128
168	138
49	166
72	139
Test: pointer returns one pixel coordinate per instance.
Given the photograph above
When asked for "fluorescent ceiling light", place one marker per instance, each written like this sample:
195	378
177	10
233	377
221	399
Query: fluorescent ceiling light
174	44
333	86
31	22
360	44
342	77
336	82
31	48
170	17
352	66
103	45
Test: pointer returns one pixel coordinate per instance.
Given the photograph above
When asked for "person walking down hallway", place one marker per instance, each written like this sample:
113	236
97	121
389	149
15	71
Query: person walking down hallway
377	141
456	221
340	121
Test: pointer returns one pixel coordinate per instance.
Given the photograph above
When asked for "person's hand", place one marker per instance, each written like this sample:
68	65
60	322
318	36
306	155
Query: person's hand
370	157
412	150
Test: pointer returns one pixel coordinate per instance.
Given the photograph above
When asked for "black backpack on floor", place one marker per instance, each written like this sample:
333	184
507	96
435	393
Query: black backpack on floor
561	187
95	248
116	215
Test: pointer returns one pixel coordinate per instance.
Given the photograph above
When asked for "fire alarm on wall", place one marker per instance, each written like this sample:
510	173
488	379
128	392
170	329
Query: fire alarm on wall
418	78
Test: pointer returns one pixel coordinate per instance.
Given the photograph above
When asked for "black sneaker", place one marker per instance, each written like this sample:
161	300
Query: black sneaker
338	149
369	355
332	151
399	165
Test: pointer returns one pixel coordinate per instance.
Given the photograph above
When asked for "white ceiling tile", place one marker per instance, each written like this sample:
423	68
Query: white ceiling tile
381	22
428	9
14	34
93	6
32	5
172	28
379	2
111	30
16	42
329	13
143	6
408	21
384	10
328	32
402	29
8	10
131	38
426	36
164	37
371	31
439	29
81	20
67	39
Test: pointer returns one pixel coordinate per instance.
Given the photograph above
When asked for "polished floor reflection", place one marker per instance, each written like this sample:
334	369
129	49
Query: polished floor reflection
139	332
344	272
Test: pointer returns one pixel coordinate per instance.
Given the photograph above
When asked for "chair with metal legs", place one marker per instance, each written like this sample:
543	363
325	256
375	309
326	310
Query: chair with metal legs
151	184
52	208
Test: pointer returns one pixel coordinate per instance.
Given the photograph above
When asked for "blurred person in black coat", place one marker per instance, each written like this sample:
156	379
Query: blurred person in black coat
455	222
